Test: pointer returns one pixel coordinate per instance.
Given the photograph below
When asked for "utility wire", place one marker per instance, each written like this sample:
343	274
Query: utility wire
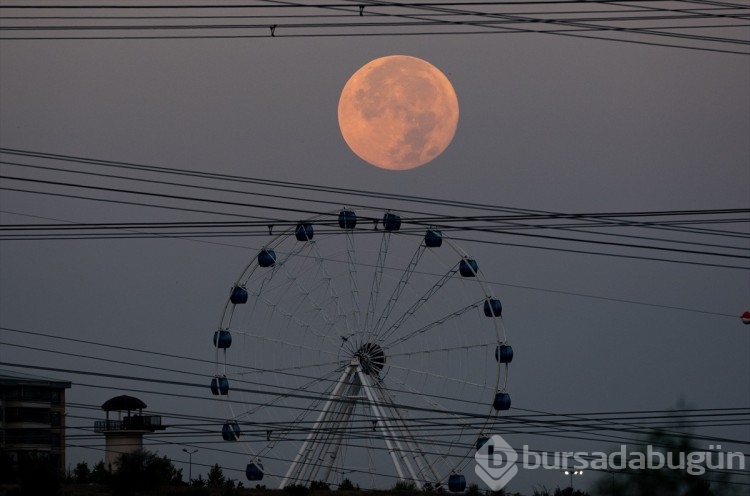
571	419
418	19
509	222
437	225
355	193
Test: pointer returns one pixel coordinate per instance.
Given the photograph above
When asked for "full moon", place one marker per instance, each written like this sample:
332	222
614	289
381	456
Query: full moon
398	112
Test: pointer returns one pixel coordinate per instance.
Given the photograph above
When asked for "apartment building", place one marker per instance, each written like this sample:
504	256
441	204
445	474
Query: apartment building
32	416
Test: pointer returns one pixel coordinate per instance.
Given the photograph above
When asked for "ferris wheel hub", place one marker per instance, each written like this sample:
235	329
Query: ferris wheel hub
371	358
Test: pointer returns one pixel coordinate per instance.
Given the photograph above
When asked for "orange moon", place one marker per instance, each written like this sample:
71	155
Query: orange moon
398	112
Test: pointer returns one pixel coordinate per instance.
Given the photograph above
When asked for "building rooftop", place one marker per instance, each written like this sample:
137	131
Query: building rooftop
13	378
123	403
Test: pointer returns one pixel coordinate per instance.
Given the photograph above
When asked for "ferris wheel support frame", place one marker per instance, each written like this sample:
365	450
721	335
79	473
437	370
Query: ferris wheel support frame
390	437
417	452
320	420
379	405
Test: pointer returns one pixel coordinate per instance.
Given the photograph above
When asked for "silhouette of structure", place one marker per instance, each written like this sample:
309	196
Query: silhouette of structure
32	416
125	433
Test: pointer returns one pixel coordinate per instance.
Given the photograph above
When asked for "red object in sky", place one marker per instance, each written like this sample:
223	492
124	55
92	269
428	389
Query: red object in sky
745	318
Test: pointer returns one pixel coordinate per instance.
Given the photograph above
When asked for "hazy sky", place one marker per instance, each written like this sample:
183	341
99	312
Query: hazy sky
547	124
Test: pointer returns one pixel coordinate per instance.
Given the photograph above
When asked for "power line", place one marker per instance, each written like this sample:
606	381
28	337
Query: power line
400	19
556	426
511	227
610	218
573	424
436	225
508	222
619	418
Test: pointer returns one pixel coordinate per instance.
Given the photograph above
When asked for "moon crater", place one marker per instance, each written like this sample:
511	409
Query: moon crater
398	112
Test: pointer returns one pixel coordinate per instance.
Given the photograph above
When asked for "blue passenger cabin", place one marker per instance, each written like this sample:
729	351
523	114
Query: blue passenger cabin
230	431
304	231
504	353
468	267
347	219
502	402
239	295
493	307
456	483
267	258
391	222
481	441
254	471
220	385
485	441
433	238
222	339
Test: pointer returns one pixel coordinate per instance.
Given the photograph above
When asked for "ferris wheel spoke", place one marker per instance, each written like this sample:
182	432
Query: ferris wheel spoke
288	393
291	316
280	370
429	401
442	378
398	290
284	343
443	450
414	308
435	323
353	288
311	294
425	469
340	312
288	427
377	276
430	351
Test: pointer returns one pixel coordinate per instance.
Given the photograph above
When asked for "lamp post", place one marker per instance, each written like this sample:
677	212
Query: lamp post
571	472
190	470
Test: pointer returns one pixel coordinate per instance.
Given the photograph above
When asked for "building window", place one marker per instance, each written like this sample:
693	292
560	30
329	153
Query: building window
30	415
27	436
55	419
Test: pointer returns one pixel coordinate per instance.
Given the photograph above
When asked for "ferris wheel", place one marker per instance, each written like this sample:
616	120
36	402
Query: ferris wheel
357	346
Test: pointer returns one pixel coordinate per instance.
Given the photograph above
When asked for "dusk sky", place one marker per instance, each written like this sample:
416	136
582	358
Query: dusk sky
613	166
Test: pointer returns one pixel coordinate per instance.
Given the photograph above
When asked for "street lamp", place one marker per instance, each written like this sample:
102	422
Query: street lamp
190	470
571	472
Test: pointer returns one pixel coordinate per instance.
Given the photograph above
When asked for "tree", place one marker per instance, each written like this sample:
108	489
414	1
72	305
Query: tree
346	485
405	486
676	443
296	490
541	491
215	477
199	482
141	470
569	491
82	473
320	486
101	474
